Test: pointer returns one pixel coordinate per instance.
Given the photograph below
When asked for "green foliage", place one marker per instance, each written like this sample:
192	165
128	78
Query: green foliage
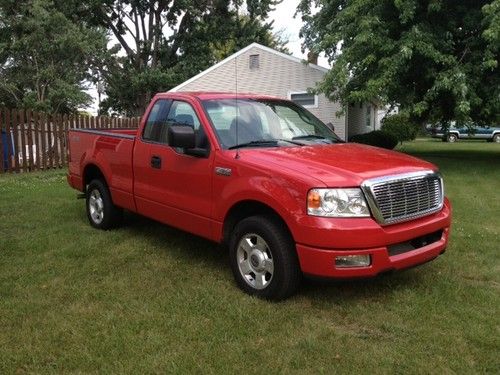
45	58
400	126
126	86
436	59
199	35
376	138
50	50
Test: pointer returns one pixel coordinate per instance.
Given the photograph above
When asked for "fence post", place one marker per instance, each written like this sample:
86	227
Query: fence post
15	137
8	130
2	161
67	121
36	125
29	141
43	140
23	139
57	126
63	141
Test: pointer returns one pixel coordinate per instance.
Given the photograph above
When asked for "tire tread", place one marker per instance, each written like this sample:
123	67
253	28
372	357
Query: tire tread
283	248
113	215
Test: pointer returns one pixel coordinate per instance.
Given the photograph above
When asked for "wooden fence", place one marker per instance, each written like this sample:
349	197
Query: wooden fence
38	141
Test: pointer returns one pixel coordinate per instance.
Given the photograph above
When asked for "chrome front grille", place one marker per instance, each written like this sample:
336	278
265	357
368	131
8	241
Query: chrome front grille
404	197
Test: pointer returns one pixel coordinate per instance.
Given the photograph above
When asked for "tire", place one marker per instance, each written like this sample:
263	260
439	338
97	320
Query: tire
496	138
264	259
451	138
101	211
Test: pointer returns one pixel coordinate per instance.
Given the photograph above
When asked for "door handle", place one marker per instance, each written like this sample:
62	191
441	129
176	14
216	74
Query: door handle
156	162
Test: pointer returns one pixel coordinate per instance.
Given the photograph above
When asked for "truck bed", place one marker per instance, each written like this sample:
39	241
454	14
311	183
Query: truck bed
111	150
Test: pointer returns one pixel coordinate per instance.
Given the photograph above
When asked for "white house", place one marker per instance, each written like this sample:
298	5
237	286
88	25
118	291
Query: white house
263	70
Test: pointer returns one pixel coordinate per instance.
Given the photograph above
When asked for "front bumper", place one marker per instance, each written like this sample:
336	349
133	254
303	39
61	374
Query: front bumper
320	261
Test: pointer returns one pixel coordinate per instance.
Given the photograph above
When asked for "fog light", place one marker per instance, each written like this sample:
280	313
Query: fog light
346	261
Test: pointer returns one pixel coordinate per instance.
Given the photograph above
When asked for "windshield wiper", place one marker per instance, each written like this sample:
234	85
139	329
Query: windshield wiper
308	136
262	142
291	141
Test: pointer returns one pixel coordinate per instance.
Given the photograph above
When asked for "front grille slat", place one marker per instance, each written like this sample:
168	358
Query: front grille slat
405	197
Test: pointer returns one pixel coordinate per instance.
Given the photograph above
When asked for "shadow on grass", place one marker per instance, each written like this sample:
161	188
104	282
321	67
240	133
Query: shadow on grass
354	289
195	251
183	244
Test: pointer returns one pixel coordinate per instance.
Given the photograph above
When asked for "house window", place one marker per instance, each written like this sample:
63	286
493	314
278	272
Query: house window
368	118
304	99
254	62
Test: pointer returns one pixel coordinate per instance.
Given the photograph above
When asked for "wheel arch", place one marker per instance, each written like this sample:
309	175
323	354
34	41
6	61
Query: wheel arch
246	208
91	172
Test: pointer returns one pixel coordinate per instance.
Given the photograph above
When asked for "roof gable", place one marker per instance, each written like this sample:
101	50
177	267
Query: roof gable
242	51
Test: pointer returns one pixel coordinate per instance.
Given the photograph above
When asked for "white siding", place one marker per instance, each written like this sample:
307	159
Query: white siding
276	76
356	118
383	112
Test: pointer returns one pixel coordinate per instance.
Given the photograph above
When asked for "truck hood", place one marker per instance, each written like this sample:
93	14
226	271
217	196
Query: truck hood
337	165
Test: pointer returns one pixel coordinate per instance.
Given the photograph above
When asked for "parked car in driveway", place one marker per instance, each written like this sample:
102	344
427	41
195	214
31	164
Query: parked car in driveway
271	182
453	134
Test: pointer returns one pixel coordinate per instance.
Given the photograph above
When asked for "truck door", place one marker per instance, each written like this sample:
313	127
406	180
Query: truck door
173	187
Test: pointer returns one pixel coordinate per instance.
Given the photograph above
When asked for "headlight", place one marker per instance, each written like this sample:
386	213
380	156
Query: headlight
337	203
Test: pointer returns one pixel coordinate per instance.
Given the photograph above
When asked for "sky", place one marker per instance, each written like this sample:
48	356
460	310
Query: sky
284	20
283	17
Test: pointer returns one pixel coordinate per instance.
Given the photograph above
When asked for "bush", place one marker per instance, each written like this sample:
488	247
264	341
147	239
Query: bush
377	138
400	126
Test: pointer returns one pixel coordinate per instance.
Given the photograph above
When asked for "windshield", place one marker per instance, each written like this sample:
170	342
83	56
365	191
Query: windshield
267	123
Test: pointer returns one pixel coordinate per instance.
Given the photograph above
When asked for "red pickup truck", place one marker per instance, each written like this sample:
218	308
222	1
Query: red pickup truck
271	182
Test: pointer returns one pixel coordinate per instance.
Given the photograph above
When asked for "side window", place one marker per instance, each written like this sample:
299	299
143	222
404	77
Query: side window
166	113
157	121
182	113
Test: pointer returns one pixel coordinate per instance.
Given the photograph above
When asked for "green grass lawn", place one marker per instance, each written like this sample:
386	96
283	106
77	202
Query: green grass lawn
147	298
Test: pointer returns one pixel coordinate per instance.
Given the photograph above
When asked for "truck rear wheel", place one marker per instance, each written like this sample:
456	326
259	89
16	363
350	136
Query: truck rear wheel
451	138
101	211
496	138
263	258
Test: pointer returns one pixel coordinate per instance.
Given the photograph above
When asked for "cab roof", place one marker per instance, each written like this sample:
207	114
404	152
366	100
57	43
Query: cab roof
208	95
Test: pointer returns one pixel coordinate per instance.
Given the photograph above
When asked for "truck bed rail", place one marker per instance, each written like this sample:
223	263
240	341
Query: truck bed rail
108	132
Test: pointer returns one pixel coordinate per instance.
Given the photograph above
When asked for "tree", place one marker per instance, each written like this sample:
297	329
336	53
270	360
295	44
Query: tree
166	42
45	58
436	59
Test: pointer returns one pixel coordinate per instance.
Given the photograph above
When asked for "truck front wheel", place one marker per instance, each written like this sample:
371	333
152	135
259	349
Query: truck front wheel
263	258
101	211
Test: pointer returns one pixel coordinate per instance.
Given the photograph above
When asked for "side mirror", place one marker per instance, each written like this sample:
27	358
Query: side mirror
330	125
181	136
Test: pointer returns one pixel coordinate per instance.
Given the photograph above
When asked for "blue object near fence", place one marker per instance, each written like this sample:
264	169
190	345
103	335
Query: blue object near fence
8	149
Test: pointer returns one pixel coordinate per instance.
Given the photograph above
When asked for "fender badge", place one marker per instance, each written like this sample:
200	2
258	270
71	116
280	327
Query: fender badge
223	171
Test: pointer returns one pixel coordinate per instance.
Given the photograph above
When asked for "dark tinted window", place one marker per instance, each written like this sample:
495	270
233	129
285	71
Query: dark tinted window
166	113
304	99
156	124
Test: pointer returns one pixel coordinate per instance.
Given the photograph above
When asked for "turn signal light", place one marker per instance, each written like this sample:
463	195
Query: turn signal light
313	199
